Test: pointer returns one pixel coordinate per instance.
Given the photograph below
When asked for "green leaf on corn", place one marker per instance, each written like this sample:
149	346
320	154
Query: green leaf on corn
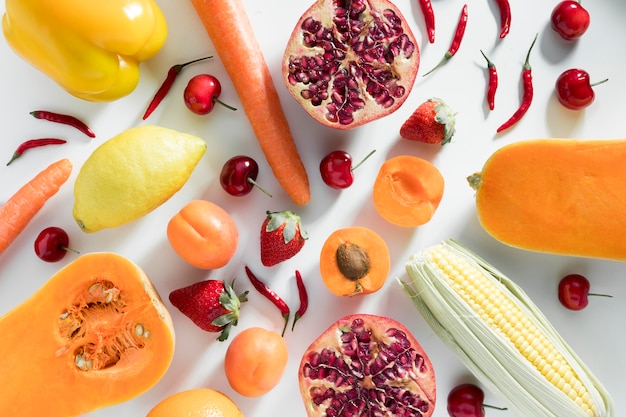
501	336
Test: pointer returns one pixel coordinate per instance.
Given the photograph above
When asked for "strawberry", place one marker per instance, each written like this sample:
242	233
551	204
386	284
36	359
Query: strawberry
432	122
212	305
282	236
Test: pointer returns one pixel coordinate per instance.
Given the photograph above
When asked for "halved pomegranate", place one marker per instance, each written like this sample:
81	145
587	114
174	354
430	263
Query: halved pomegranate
367	365
349	62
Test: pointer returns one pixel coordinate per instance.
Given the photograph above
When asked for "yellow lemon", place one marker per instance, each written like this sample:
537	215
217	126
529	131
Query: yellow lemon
133	173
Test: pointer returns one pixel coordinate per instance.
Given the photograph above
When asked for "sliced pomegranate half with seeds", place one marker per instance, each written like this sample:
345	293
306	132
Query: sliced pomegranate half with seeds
350	62
367	365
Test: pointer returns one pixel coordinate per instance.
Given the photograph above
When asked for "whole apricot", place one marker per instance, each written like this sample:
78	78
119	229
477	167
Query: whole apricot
255	361
203	234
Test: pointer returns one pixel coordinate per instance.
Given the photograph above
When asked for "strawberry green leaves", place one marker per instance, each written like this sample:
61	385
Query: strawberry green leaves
212	305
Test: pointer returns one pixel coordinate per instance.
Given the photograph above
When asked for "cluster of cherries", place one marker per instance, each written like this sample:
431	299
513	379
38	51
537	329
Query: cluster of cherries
574	88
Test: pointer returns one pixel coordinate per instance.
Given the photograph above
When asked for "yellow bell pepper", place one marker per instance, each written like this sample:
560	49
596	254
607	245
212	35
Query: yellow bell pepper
92	49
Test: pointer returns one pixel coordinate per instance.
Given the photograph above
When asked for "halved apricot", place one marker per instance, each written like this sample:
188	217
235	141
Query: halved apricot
407	190
354	261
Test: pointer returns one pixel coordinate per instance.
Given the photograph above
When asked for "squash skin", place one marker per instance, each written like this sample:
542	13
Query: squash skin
39	375
556	196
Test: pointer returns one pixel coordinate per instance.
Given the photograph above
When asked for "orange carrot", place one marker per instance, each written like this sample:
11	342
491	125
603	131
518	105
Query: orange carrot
229	28
17	212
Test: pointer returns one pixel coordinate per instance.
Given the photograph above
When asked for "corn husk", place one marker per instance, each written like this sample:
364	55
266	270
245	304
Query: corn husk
491	357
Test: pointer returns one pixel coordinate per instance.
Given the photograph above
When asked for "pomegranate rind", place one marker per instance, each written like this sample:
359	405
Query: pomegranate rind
366	75
367	365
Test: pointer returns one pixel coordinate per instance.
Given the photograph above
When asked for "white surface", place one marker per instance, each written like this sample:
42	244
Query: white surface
595	333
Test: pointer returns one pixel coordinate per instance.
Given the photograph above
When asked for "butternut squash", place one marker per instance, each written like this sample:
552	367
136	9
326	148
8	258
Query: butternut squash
95	334
558	196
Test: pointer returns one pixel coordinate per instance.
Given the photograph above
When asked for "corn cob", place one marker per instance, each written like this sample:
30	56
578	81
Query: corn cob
501	336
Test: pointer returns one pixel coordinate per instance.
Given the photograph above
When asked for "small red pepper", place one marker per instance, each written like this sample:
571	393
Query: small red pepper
165	87
304	299
34	143
64	119
271	295
493	82
505	17
429	19
456	40
527	82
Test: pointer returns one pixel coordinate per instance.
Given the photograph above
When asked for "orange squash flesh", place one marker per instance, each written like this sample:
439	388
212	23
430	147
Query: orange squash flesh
103	303
558	196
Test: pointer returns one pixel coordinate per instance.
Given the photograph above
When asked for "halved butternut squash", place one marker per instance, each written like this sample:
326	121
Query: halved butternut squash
558	196
95	334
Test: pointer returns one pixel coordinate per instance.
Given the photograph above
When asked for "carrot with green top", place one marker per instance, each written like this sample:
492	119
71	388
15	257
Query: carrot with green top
228	26
18	211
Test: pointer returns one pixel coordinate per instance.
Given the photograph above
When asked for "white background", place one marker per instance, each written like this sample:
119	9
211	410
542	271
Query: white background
597	333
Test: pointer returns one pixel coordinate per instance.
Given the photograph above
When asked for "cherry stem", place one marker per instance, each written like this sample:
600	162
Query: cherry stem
224	104
599	295
363	160
256	184
70	250
599	82
494	407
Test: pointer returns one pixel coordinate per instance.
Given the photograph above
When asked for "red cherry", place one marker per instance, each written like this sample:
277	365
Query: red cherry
574	89
466	400
570	19
238	176
52	244
202	93
574	291
336	169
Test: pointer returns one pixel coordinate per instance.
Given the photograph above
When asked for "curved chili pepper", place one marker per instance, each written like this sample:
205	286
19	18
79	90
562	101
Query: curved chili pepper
304	299
527	82
271	295
456	40
64	119
34	143
505	17
429	19
165	87
493	82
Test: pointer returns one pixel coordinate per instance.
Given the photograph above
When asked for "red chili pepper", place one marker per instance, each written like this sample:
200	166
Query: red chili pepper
304	299
429	19
527	82
64	119
456	40
505	17
34	143
271	295
165	87
493	82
